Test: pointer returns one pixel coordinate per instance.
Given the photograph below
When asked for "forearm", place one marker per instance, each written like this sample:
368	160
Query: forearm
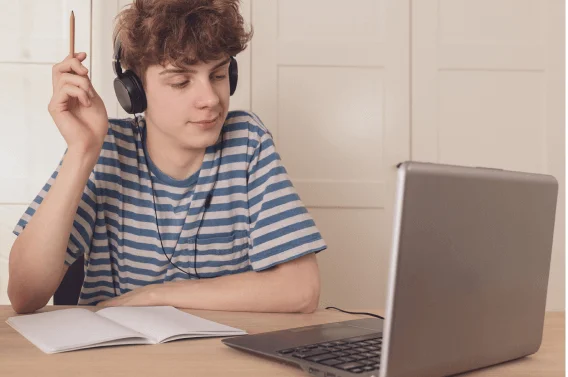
36	262
265	291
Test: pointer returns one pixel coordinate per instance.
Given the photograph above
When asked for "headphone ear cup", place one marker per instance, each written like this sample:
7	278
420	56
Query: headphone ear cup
233	74
130	93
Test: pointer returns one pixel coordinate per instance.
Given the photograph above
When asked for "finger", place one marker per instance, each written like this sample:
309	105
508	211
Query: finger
69	91
79	55
70	65
80	81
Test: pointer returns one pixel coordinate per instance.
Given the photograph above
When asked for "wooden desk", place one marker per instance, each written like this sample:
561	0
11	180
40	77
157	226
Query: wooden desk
209	357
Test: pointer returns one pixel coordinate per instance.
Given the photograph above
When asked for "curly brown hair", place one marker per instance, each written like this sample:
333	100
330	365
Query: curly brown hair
179	32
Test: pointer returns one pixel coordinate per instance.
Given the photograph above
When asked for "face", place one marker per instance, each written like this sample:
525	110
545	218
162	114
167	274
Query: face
188	106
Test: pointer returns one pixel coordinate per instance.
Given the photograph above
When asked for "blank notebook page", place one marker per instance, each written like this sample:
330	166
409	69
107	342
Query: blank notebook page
162	322
67	328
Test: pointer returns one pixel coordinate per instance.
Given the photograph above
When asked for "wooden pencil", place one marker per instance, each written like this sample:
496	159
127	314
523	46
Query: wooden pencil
72	35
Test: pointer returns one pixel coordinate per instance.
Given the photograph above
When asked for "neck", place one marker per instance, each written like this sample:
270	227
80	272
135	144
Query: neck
177	162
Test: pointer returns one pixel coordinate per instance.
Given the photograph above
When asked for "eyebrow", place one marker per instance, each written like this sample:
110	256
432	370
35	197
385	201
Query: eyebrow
180	70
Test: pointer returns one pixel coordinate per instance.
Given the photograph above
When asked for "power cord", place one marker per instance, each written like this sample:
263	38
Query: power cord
363	313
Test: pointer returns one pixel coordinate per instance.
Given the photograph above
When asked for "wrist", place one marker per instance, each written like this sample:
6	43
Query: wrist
84	154
155	294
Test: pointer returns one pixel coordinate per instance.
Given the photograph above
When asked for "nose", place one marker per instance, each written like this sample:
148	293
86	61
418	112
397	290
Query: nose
207	97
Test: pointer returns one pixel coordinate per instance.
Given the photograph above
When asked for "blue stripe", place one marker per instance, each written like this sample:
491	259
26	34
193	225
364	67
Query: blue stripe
273	187
132	169
271	236
274	219
188	264
259	181
314	250
88	296
273	204
155	249
225	160
151	219
108	146
122	122
208	275
123	182
98	284
281	248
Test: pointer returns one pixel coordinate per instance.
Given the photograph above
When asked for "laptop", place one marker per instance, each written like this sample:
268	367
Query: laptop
467	283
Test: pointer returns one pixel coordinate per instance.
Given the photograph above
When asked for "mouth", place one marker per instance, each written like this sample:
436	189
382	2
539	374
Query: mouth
206	123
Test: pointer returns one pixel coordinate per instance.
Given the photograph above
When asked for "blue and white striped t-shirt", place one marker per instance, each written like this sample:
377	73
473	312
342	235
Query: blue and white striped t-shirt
254	220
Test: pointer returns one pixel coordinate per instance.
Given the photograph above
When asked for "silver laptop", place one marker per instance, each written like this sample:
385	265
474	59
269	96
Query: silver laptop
466	288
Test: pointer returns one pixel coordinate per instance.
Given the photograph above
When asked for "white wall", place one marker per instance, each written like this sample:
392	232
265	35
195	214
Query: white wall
34	35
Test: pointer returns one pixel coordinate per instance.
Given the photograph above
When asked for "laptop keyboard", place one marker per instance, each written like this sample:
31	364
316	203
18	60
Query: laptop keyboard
356	355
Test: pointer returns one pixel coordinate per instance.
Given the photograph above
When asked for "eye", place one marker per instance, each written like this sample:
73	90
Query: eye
219	77
180	85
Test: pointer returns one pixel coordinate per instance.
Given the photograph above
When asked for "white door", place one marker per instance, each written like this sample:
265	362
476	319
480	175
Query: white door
330	79
488	90
34	35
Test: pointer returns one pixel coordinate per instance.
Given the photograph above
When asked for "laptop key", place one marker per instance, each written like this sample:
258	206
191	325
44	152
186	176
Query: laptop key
368	368
342	353
358	357
348	366
285	352
310	353
346	359
338	342
331	362
357	370
318	358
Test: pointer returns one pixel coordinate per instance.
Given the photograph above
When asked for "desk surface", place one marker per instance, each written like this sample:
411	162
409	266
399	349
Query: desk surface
209	357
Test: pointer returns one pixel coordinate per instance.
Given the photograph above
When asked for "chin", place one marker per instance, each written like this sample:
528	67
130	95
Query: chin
202	140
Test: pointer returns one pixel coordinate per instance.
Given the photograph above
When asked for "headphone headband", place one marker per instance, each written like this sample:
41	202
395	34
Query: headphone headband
116	58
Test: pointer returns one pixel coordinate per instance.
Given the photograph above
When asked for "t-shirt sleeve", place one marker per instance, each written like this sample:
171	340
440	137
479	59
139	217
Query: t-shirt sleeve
281	228
83	223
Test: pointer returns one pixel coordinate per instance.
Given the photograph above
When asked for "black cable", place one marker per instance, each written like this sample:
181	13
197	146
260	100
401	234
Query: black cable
206	206
363	313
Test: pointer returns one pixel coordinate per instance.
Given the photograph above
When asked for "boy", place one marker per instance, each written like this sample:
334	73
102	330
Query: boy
187	206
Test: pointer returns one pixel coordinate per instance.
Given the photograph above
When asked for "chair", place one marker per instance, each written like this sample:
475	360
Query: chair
68	291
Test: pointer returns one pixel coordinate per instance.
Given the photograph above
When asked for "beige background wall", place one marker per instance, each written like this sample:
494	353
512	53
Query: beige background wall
349	92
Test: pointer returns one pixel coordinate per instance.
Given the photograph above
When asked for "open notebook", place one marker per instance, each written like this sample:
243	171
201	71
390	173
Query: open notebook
73	329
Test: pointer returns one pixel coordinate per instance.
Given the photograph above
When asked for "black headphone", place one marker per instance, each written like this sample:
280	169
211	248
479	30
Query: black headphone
128	86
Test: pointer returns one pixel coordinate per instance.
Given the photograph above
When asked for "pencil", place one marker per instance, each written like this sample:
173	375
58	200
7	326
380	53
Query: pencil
72	35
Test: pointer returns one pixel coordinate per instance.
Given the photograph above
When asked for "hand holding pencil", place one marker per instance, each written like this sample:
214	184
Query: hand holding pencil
76	108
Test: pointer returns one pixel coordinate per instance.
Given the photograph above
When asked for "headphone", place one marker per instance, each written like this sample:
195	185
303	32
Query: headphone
130	92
